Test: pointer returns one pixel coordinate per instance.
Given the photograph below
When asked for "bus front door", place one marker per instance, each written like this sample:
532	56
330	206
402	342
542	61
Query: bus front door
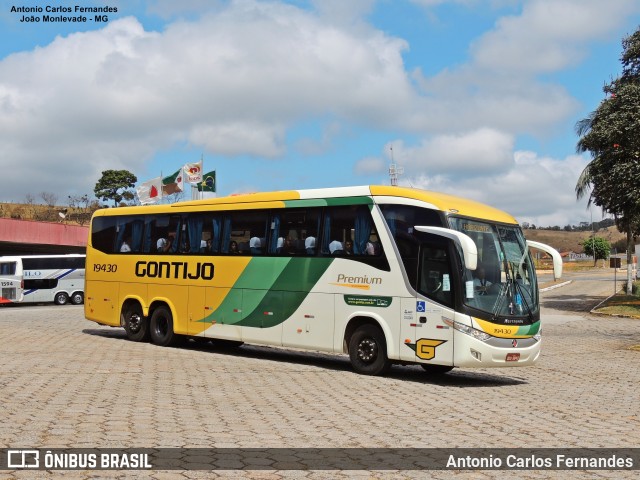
425	317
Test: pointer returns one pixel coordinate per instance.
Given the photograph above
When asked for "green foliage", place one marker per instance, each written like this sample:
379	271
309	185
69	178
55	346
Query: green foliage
116	185
597	247
611	134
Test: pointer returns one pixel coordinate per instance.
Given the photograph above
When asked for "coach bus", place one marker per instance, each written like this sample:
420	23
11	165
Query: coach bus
384	274
44	278
11	280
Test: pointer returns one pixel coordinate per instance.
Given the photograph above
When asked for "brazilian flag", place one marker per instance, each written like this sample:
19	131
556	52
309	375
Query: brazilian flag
208	183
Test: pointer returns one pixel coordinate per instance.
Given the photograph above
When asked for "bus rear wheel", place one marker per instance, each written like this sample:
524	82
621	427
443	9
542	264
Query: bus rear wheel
135	324
77	298
161	327
368	351
60	298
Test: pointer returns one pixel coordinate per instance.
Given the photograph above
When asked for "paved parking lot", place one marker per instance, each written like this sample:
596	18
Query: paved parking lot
67	382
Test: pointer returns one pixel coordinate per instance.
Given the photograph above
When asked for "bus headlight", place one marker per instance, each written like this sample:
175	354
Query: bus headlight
472	332
538	336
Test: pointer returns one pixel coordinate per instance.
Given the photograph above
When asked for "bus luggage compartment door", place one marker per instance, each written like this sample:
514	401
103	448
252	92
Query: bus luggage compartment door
101	302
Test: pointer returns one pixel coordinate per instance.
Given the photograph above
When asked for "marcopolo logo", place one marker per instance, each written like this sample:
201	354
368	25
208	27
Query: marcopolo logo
184	270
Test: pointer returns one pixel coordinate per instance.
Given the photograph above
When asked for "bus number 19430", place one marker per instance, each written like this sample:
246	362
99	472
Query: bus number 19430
105	267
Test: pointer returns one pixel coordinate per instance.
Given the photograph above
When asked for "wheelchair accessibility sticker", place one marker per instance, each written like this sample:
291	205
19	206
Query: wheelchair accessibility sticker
421	306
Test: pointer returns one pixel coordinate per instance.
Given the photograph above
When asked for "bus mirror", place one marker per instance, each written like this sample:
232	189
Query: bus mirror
469	250
557	259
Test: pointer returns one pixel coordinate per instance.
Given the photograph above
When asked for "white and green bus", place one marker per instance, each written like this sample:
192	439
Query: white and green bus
384	274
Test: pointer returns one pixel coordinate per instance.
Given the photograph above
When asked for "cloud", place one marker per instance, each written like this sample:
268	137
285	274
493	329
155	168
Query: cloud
479	152
538	190
501	85
232	82
370	165
549	35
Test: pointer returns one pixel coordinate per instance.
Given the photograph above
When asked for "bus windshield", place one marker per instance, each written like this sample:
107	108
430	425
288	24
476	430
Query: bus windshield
504	283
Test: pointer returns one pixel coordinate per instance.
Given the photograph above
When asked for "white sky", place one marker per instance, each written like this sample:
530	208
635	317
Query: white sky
475	97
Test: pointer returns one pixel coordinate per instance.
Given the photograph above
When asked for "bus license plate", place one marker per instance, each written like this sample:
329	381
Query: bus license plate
512	357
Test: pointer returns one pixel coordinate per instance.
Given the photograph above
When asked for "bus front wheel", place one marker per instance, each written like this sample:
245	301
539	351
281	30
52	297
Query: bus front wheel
368	351
135	324
161	327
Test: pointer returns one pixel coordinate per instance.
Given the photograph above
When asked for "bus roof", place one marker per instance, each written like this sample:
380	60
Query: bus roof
449	204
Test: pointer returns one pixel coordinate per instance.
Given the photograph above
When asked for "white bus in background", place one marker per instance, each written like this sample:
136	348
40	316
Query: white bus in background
11	280
45	278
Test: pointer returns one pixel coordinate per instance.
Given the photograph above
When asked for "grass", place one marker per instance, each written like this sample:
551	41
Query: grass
622	304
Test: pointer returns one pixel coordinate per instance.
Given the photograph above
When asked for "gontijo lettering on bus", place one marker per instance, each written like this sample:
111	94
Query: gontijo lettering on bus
184	270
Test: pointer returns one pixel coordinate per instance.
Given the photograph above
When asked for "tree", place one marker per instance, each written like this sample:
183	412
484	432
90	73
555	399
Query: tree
116	185
597	247
611	134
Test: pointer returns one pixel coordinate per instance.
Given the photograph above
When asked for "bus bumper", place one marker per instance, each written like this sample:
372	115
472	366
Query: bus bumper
503	352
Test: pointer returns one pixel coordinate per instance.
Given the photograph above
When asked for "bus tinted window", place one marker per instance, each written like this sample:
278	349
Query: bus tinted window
8	268
295	231
401	220
349	230
52	263
246	230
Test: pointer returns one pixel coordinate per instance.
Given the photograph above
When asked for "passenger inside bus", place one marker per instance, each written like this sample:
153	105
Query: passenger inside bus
335	248
310	245
255	246
125	247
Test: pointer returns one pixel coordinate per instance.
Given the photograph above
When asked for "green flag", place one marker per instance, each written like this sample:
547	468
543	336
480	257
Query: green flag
172	183
208	183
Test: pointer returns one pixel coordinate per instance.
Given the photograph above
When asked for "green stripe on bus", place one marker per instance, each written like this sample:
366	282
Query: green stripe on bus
529	329
272	289
287	293
328	202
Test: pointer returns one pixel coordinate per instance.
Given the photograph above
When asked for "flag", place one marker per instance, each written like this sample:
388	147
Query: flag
150	191
192	172
172	183
208	183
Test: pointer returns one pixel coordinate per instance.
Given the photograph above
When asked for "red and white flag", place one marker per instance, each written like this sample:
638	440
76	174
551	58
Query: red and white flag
192	172
150	191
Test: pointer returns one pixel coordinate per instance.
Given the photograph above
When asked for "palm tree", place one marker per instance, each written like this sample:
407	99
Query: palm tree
611	134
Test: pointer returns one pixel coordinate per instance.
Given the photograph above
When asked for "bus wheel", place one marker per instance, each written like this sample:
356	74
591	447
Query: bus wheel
77	298
135	324
436	369
161	327
61	298
368	351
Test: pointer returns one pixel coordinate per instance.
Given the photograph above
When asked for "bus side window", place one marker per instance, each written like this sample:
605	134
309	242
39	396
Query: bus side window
294	231
349	230
248	228
435	274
